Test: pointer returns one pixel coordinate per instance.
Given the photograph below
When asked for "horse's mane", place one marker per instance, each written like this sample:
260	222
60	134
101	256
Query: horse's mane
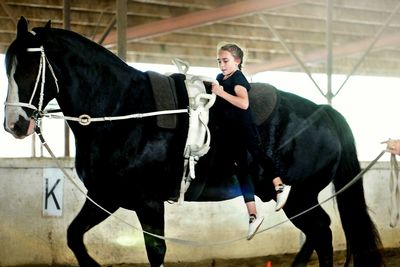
77	42
61	38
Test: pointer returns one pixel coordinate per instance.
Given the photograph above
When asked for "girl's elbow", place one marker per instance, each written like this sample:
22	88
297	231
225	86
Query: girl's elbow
244	106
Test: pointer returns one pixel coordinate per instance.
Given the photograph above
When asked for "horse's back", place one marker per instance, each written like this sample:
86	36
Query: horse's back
301	136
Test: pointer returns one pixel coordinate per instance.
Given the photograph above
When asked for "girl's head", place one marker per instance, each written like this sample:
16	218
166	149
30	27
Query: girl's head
230	58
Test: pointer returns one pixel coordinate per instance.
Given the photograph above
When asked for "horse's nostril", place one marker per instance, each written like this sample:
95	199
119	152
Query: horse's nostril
11	126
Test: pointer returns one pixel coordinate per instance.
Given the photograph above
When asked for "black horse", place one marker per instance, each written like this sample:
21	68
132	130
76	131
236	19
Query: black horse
137	165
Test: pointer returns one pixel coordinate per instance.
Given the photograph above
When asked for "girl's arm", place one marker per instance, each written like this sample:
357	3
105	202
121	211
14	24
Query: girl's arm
240	100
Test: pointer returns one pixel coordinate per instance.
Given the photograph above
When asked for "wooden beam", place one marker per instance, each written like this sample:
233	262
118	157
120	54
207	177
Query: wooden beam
6	9
197	19
320	55
108	29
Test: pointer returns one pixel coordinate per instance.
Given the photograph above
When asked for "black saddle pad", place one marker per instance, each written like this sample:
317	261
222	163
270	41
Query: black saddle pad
262	97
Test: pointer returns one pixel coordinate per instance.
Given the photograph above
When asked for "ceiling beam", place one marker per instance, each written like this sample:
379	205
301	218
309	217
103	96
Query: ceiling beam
320	55
196	19
6	9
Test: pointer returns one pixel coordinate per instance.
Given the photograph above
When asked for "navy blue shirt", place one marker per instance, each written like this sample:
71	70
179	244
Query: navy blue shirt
227	112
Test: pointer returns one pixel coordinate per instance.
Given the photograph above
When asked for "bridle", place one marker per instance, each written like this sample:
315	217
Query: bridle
39	78
83	119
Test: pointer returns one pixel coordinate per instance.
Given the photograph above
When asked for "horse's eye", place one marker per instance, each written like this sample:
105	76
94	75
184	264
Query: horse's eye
25	71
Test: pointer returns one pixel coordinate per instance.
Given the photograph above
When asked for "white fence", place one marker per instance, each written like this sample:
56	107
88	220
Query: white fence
37	204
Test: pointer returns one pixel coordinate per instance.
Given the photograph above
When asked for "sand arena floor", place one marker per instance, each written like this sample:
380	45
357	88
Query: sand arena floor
391	258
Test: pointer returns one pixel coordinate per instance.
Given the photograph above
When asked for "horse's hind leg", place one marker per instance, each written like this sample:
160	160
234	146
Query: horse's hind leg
151	217
89	216
315	224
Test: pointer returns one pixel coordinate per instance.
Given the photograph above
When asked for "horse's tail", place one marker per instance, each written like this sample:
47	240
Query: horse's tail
362	237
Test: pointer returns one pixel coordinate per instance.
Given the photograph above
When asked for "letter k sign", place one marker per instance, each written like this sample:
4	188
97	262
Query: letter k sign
53	192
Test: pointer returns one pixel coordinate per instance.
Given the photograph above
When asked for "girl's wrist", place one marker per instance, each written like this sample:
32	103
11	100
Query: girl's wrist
220	90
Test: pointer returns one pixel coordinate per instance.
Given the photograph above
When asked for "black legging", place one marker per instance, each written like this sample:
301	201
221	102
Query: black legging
242	171
247	139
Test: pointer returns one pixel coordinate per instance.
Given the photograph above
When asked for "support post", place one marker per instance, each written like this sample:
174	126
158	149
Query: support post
67	26
329	95
121	27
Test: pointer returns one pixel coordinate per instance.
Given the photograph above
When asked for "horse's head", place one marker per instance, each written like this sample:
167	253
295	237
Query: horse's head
24	84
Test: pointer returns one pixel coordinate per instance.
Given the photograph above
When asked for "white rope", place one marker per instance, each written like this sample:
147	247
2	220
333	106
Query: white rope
44	143
200	243
354	180
85	119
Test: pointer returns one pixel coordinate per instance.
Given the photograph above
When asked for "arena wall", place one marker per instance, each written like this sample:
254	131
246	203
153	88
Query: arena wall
36	209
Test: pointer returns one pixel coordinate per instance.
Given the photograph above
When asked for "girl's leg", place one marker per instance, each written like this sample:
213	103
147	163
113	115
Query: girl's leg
247	188
251	208
277	181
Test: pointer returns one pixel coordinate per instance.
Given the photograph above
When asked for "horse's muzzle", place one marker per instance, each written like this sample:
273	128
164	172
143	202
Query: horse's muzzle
21	128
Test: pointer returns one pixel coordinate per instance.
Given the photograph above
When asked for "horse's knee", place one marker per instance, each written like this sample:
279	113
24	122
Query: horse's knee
75	242
73	236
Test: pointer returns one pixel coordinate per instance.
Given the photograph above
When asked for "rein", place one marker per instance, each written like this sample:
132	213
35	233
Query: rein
83	119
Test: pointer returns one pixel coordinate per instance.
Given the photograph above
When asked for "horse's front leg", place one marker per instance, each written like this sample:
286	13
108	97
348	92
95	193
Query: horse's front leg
151	217
89	216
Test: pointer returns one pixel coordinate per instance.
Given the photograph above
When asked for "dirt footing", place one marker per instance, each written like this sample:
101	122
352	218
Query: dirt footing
391	258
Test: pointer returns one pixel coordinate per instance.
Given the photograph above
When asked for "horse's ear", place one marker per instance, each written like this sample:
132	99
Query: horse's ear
22	27
48	25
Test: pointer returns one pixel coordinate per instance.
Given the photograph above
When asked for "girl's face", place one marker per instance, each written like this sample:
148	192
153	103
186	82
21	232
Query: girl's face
227	63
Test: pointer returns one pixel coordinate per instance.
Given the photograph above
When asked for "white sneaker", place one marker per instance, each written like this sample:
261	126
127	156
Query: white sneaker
282	196
253	227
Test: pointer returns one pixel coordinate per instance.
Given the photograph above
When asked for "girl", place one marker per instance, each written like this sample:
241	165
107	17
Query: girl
235	118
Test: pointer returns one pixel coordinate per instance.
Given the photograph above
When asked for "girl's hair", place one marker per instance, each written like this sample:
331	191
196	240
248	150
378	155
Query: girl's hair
235	50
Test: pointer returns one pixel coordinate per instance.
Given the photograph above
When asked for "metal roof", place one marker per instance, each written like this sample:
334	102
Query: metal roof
351	36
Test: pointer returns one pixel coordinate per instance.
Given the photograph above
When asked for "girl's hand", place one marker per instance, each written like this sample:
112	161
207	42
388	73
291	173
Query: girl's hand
217	89
393	146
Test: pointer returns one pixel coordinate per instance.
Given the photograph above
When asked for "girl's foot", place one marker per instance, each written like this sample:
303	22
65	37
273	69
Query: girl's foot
254	224
282	191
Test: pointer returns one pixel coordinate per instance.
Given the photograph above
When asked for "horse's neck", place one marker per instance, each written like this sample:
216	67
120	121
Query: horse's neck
101	88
